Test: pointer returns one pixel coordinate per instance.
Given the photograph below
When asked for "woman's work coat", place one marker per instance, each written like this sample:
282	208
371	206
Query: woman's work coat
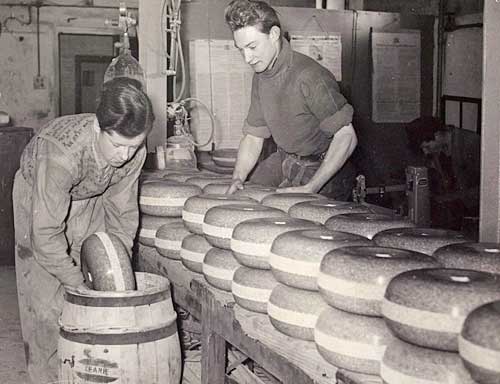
63	192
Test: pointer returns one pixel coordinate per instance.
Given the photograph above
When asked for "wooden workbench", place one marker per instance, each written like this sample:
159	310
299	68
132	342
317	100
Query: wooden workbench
290	360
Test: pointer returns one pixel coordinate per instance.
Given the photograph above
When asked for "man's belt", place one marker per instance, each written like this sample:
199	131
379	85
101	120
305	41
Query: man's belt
313	157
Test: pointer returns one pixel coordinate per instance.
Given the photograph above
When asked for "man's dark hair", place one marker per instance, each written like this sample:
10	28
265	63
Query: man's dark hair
124	108
251	13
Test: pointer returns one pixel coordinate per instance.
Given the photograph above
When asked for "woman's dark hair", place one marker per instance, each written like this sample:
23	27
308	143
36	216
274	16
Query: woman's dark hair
251	13
124	108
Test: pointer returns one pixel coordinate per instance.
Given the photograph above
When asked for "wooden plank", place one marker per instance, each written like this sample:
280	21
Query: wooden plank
295	367
349	377
213	358
489	211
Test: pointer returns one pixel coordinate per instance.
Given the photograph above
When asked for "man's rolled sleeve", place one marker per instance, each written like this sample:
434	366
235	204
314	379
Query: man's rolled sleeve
331	125
258	131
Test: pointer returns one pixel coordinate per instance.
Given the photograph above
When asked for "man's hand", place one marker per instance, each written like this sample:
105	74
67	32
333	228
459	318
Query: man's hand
300	189
235	185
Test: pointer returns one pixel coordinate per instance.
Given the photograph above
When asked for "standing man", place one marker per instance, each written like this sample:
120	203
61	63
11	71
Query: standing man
297	102
77	176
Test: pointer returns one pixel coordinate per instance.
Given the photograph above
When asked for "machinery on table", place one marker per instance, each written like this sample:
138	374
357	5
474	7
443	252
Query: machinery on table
416	190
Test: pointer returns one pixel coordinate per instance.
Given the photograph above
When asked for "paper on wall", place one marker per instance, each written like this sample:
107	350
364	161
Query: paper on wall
222	80
325	49
396	76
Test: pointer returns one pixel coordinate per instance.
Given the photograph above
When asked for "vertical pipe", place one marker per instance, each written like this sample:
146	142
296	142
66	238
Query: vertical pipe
441	52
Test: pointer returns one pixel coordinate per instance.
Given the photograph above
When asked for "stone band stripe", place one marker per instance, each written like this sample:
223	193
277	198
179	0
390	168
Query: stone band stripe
260	250
391	376
349	348
114	261
191	217
418	318
139	337
297	267
480	356
162	201
349	288
174	245
149	233
287	316
216	231
196	257
251	293
218	273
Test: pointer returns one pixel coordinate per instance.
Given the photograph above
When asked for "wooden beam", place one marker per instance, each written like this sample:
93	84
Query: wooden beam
489	222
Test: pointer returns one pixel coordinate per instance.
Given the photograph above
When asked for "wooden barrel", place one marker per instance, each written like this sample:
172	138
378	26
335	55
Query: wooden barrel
120	337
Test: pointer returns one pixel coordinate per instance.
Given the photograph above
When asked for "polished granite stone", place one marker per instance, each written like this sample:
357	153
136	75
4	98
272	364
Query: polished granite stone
193	250
195	208
350	341
165	198
252	239
295	312
425	240
355	278
252	288
106	263
404	363
322	210
479	343
478	256
295	256
285	201
366	224
219	222
169	239
219	266
428	307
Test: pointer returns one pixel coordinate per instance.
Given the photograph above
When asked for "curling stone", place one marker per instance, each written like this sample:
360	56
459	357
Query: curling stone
285	201
193	251
256	192
106	263
219	222
404	363
203	181
219	266
165	198
148	225
322	210
365	224
252	288
354	278
477	256
294	312
295	256
428	307
425	240
479	343
352	341
169	238
252	239
196	207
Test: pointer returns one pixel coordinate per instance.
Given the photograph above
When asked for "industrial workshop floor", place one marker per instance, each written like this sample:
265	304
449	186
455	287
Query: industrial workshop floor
12	363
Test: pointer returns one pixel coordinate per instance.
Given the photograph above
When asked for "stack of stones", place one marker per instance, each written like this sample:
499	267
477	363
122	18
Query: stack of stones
436	313
251	241
376	294
426	310
351	333
160	203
